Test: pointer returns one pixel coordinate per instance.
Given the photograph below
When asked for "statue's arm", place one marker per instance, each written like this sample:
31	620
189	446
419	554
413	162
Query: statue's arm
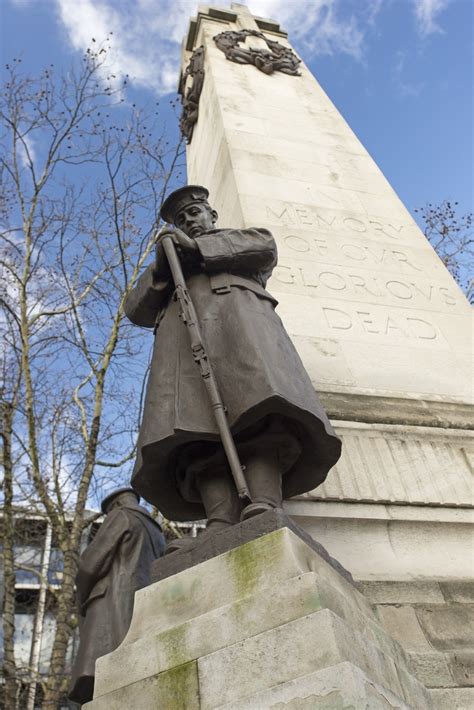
147	297
244	250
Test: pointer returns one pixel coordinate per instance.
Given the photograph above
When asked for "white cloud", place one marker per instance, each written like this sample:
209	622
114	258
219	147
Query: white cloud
319	25
27	152
147	33
426	13
404	86
144	41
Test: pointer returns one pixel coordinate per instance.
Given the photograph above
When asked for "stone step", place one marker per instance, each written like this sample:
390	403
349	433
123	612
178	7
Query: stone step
454	668
452	698
176	689
157	652
341	687
266	614
319	640
261	564
432	669
297	597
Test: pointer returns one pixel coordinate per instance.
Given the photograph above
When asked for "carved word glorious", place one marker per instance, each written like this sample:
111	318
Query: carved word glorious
350	286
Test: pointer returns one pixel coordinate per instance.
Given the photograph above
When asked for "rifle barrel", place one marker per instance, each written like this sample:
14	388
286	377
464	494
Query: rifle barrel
201	358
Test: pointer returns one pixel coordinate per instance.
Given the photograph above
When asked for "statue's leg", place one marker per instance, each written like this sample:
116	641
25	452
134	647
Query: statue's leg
263	473
220	499
221	503
268	454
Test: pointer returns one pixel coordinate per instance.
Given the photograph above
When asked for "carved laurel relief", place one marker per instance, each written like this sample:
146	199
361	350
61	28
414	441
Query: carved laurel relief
276	58
190	94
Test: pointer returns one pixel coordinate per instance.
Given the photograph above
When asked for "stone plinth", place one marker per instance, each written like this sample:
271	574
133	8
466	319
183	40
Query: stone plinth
233	537
267	624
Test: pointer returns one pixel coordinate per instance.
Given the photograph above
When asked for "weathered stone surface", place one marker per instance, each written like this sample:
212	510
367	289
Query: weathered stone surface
448	626
389	542
200	636
404	464
167	633
234	537
401	622
174	690
227	625
260	564
342	687
462	666
458	591
414	692
432	669
317	641
402	592
452	699
261	615
397	410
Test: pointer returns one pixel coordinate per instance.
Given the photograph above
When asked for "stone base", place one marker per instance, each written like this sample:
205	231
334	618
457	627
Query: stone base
452	698
268	624
233	537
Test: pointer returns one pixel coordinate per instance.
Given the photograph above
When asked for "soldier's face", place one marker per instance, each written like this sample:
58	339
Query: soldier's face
195	220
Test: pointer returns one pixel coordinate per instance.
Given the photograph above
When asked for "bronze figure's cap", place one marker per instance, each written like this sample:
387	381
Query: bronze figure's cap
184	196
108	499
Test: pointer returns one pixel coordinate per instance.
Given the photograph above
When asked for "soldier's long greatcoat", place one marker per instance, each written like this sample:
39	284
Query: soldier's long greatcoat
257	367
115	564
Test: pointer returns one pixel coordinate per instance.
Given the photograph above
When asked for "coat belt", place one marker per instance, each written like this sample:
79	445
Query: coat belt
221	284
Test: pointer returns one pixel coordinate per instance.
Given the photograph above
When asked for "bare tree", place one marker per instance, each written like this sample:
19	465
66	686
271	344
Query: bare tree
451	235
83	174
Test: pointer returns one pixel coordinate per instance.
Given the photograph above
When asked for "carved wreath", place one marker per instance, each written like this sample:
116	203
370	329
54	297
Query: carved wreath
276	58
190	96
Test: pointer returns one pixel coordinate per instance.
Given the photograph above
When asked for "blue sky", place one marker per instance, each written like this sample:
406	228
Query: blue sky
400	71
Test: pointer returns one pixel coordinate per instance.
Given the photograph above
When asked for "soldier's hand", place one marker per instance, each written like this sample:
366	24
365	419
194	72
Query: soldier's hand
183	242
180	239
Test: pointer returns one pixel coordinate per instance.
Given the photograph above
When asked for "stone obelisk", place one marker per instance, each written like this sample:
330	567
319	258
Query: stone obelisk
380	324
384	332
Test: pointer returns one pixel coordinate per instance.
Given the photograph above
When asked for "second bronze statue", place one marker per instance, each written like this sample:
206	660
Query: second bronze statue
282	434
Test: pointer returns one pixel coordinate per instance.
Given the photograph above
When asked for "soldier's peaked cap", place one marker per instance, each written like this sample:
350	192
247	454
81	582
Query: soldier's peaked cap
118	492
183	197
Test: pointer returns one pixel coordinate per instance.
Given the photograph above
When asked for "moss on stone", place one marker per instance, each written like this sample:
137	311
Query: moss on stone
247	562
173	644
178	688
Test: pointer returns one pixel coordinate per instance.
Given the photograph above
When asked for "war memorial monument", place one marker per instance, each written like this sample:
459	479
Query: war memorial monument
356	592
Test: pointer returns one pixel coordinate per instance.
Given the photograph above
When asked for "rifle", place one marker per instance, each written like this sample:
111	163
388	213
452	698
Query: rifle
189	317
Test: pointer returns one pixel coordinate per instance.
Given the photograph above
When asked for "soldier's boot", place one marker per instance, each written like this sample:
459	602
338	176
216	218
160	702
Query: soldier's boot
220	499
263	475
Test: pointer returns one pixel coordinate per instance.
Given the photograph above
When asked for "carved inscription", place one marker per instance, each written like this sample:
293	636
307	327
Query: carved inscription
308	217
373	323
368	253
353	285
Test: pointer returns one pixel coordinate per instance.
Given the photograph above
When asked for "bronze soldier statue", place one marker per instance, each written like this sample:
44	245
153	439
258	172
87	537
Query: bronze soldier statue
283	436
110	570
